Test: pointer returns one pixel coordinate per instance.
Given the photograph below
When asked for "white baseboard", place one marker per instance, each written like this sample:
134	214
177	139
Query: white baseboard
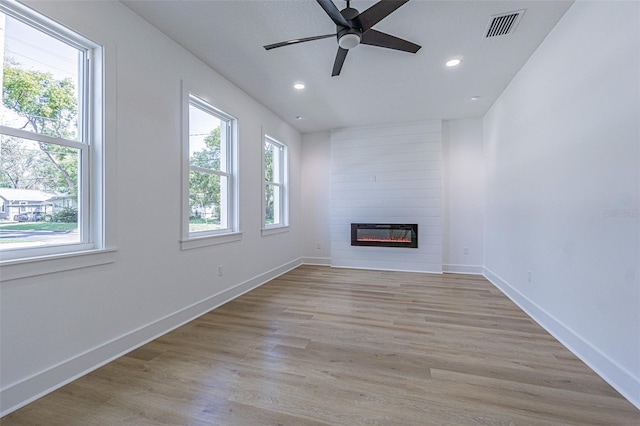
321	261
462	269
25	391
385	269
618	377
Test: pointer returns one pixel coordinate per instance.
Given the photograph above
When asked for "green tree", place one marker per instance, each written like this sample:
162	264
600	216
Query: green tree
25	168
204	188
49	107
15	164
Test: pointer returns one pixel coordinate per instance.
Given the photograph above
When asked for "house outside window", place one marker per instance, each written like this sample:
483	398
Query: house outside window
275	197
50	138
210	201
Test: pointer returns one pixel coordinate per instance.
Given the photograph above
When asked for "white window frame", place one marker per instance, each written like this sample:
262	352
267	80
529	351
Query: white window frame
191	240
92	249
281	181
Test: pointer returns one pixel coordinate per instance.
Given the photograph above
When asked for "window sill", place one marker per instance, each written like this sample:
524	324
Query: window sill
210	240
275	230
42	265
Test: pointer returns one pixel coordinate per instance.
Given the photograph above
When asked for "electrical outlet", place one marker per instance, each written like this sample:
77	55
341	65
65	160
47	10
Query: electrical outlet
220	270
466	251
529	276
318	246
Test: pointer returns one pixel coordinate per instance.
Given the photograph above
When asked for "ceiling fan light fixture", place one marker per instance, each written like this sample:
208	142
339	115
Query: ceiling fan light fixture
349	41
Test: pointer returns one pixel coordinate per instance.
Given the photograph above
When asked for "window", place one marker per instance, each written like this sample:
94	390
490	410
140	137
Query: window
50	136
210	184
275	183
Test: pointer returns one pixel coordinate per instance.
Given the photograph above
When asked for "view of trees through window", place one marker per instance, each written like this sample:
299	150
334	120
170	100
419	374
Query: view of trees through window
209	168
269	191
39	182
274	180
204	188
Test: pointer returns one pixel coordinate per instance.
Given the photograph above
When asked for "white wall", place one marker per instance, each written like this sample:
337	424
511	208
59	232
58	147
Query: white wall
387	174
57	326
563	188
316	198
463	196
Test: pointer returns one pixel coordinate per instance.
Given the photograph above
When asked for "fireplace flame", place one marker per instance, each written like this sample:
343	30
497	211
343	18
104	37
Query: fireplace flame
385	240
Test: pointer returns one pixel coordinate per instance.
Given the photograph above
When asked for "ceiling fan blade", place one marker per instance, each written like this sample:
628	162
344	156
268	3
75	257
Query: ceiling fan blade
297	40
378	12
333	13
340	57
380	39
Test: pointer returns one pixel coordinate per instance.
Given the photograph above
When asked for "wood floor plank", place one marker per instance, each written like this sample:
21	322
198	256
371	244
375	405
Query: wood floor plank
324	346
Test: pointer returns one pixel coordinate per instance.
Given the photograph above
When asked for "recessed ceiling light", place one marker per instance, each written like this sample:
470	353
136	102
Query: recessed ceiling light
454	62
298	117
476	98
299	86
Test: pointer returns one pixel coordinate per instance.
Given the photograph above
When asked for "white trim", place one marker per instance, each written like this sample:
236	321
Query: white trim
35	253
462	269
386	269
275	230
617	376
31	267
210	171
210	240
319	261
40	137
19	394
103	179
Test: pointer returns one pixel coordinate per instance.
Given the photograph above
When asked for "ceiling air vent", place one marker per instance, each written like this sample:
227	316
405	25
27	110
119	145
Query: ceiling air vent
503	24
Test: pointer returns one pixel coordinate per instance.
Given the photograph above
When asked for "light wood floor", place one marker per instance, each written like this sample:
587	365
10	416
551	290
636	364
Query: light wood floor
321	346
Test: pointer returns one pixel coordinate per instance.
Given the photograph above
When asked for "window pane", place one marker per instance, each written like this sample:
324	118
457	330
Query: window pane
40	82
268	204
207	209
268	161
274	180
206	132
271	204
39	191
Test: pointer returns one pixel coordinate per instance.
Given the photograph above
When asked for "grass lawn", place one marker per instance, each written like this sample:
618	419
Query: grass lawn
40	226
202	226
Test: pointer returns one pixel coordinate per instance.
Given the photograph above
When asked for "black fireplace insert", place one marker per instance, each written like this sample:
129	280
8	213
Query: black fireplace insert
384	235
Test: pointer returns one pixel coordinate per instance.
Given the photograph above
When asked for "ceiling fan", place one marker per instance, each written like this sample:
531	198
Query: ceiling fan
354	28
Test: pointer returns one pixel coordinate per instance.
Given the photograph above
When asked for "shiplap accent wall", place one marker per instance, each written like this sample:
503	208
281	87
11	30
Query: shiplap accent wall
389	174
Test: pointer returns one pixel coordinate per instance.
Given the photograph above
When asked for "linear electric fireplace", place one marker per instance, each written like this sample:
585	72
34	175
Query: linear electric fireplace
384	235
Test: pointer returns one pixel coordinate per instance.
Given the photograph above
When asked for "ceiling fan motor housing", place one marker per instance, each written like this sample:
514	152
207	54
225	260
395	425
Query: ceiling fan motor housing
349	37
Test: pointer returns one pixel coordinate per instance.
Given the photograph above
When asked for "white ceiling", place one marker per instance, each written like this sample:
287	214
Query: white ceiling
376	85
